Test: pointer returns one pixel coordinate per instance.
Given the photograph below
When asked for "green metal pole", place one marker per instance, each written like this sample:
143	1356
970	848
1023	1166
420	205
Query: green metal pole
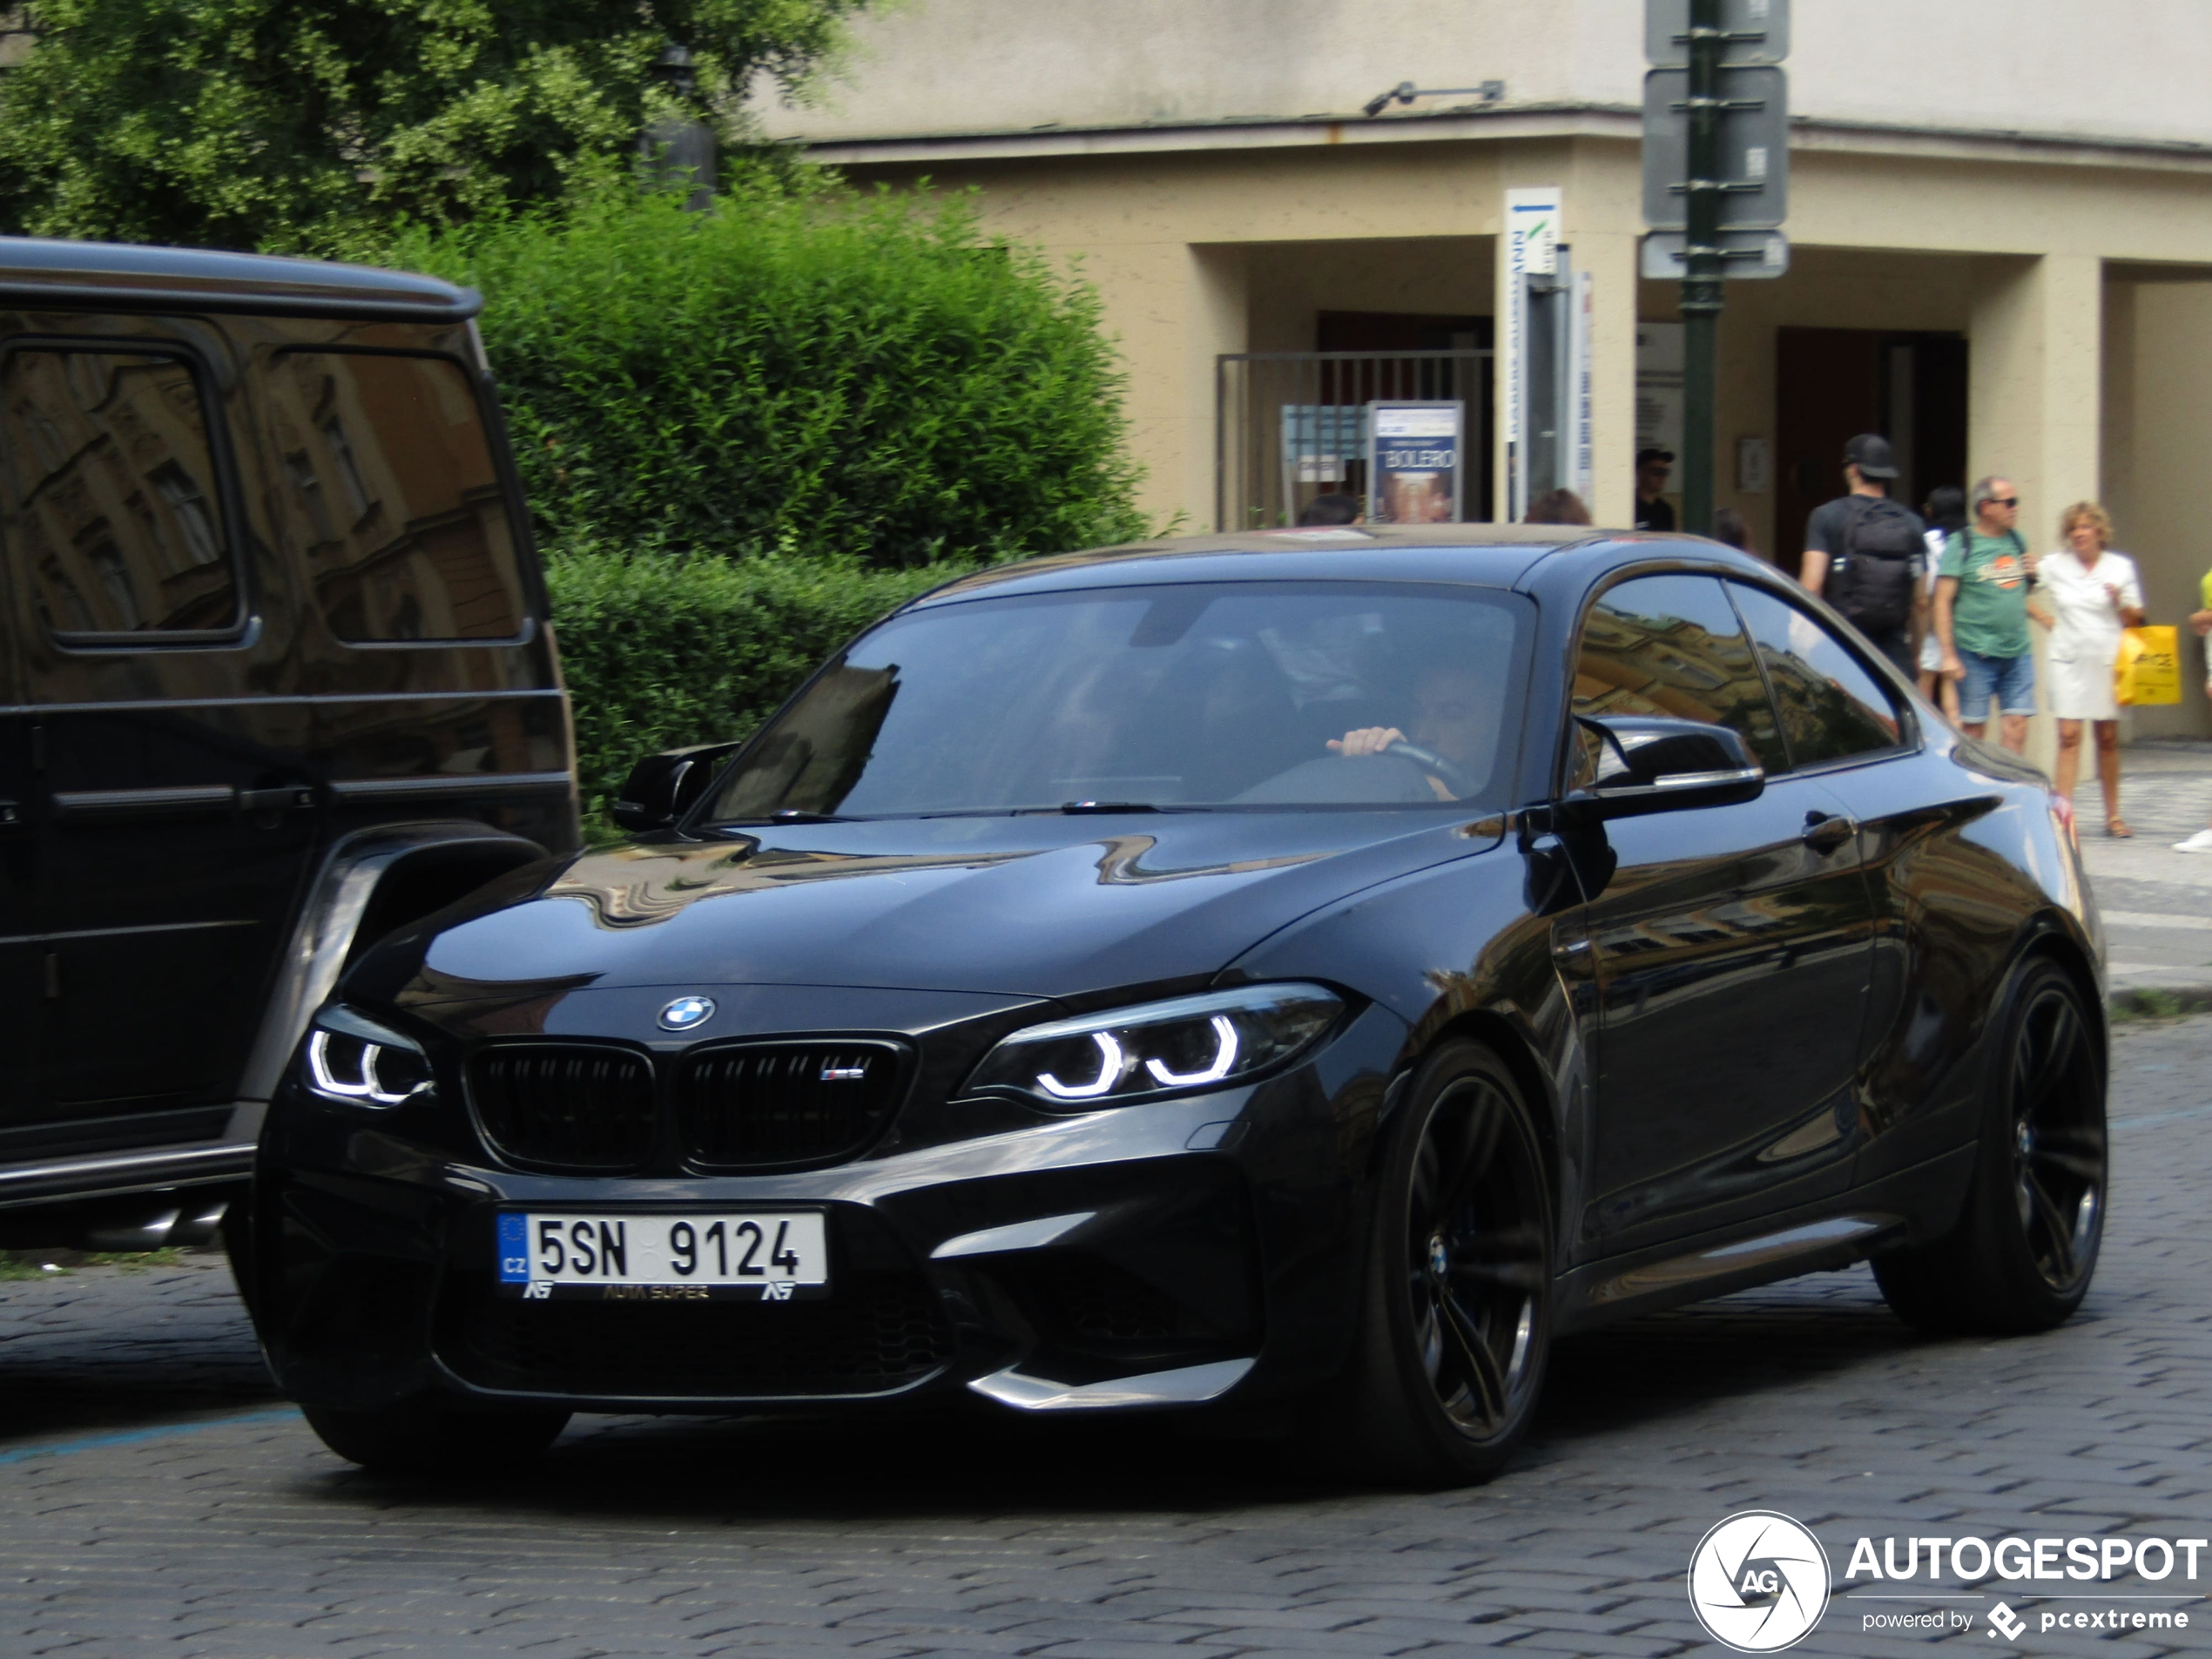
1701	280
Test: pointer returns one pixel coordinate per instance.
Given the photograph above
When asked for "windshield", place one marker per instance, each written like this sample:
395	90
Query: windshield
1189	696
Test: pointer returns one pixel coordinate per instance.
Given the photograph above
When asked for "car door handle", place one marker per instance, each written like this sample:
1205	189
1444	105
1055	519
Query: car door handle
1824	833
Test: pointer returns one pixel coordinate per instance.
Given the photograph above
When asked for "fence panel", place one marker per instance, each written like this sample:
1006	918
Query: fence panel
1289	426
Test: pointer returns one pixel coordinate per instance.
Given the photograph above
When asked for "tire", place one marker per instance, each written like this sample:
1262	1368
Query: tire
428	1440
2023	1253
1455	1325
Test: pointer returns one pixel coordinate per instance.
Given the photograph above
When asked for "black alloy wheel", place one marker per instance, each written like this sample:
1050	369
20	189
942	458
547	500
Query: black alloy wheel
1457	1328
2058	1139
2022	1255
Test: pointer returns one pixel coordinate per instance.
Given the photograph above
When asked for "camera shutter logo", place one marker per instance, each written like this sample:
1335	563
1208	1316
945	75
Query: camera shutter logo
1758	1581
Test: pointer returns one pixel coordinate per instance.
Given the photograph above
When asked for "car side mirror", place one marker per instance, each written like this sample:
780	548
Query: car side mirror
1650	764
661	788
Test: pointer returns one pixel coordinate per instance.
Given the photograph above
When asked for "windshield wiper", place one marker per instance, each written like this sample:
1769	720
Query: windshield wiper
1075	807
787	815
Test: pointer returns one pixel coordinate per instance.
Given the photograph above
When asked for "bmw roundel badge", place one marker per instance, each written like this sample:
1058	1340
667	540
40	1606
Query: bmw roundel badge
685	1012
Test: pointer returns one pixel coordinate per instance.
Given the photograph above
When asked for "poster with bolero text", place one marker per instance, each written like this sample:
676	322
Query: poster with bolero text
1415	453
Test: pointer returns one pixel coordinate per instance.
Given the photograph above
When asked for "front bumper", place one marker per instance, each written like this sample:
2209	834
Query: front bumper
1149	1256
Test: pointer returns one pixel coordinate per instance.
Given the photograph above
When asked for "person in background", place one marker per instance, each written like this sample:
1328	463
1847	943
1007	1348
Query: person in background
1946	514
1333	507
2093	593
1865	554
1557	507
1982	614
1728	527
1654	467
2201	620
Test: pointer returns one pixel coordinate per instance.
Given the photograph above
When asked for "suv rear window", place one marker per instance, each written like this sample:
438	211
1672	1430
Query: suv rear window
113	492
391	490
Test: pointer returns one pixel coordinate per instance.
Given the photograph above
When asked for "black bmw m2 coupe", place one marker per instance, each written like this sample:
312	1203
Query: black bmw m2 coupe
1294	976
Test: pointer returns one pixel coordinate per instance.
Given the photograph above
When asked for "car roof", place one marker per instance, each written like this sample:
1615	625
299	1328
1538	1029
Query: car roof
1475	555
113	276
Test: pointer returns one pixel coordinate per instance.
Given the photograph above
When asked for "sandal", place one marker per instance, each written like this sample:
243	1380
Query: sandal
2117	828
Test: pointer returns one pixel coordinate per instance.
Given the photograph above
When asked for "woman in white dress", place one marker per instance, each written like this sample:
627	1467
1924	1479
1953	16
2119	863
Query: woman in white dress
2093	593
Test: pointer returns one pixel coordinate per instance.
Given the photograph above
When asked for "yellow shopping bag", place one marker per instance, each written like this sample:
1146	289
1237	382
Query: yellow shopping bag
2149	668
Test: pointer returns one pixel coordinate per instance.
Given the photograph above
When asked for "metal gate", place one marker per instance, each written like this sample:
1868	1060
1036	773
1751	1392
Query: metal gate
1292	425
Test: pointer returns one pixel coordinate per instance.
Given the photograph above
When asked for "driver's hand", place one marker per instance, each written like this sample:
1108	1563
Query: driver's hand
1368	740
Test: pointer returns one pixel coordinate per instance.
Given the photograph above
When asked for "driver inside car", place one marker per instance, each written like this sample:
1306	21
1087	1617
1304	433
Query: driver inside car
1448	720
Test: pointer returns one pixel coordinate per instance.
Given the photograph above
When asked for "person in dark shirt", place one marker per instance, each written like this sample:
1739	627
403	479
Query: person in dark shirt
1868	467
1654	467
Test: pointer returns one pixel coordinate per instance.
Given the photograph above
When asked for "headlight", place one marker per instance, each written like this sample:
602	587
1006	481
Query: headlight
1157	1047
363	1062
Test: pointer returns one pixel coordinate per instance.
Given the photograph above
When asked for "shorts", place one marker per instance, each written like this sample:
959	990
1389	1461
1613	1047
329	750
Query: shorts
1931	653
2010	680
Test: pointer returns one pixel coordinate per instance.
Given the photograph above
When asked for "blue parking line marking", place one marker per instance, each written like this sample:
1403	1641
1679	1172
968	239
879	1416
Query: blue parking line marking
132	1437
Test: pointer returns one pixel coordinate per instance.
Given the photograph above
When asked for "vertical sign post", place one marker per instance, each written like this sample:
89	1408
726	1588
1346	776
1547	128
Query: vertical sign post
1716	184
1532	249
1581	451
1702	281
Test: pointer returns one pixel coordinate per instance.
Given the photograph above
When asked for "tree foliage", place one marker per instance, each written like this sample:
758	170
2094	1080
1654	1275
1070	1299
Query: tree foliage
318	125
860	377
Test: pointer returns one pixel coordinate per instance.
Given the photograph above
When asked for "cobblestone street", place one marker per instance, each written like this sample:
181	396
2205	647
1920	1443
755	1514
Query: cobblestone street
156	1500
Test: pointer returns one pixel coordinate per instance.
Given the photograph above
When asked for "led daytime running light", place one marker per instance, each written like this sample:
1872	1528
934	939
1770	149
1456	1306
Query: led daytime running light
371	1087
1225	1057
1110	1062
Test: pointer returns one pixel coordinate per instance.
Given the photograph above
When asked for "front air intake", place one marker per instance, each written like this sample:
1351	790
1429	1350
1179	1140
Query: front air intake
783	1105
566	1107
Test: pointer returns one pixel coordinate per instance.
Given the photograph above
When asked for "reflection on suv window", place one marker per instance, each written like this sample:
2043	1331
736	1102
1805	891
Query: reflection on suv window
1671	645
1831	708
392	491
113	493
1210	695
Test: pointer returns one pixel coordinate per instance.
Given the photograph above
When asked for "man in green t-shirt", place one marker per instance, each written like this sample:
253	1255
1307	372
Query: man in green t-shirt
1981	613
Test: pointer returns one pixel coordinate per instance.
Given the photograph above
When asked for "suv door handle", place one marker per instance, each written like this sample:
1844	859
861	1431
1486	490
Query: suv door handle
10	814
1824	833
276	799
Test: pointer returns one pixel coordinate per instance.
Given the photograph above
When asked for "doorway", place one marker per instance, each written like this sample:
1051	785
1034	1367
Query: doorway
1834	383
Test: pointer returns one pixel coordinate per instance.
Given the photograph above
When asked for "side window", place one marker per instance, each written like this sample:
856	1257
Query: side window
1831	708
392	494
1671	646
113	494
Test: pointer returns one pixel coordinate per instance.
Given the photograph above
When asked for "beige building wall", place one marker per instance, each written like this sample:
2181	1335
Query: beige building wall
2159	418
1172	156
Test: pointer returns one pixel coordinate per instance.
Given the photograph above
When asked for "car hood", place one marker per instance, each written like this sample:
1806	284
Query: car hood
1031	907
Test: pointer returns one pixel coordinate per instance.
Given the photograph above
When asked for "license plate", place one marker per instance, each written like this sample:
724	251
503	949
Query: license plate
753	1257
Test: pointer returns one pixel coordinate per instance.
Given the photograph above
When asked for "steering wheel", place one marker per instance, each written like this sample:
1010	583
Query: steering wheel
1453	777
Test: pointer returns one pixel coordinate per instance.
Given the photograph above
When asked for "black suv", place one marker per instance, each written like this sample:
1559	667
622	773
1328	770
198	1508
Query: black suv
276	677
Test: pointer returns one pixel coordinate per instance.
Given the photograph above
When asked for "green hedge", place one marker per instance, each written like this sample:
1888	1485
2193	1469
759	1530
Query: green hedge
802	369
661	652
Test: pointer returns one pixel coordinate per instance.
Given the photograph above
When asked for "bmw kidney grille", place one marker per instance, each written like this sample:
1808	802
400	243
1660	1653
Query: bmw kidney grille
586	1108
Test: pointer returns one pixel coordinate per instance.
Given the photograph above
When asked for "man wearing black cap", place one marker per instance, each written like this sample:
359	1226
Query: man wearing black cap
1866	555
1654	512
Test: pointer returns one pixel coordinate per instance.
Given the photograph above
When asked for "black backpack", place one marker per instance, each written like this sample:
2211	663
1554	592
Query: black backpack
1872	580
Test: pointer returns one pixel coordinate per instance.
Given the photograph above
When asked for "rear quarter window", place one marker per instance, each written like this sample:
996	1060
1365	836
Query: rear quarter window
114	496
392	493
